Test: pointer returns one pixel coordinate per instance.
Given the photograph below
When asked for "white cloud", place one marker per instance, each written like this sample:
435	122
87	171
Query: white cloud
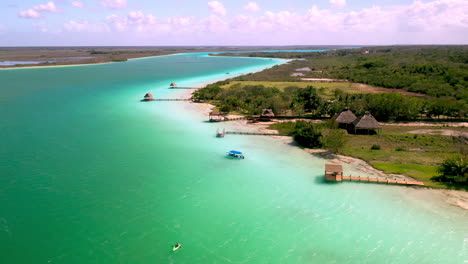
114	4
30	13
77	4
439	21
217	8
85	26
36	11
252	7
338	4
134	21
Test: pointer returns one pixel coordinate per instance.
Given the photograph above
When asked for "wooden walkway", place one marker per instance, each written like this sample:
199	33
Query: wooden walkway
251	133
176	87
376	180
229	119
169	99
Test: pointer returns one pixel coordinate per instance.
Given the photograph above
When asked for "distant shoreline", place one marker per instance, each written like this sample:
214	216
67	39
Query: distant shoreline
29	66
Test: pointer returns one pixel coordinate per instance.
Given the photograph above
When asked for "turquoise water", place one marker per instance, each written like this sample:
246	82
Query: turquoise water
88	174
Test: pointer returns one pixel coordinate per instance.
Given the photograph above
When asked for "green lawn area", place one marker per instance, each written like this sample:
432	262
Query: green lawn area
324	89
401	148
422	173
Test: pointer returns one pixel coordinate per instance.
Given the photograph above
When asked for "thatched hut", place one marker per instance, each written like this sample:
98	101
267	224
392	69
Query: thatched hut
346	118
267	115
366	124
148	97
173	84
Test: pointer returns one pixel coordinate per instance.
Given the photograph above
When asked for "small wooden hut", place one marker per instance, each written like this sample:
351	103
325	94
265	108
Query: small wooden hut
173	84
346	118
333	172
366	124
217	117
148	97
267	115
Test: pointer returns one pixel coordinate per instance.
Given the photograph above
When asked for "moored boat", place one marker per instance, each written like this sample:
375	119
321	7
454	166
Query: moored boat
235	154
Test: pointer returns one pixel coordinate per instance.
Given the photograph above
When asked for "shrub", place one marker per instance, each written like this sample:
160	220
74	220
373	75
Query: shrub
400	149
308	134
375	147
454	170
334	139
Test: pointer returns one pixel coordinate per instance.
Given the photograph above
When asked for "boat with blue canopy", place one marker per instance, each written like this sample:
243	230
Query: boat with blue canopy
235	154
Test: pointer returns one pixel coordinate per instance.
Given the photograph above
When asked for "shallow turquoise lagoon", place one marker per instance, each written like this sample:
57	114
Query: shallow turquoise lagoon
88	174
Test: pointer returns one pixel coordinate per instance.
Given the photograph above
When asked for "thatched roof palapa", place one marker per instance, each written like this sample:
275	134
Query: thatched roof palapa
367	121
267	113
345	117
148	95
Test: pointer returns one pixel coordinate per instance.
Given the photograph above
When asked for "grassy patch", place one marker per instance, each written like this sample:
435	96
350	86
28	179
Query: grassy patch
422	173
401	148
284	127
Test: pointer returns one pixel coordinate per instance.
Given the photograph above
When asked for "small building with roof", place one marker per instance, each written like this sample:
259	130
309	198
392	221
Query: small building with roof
217	117
333	172
366	124
266	115
346	118
148	97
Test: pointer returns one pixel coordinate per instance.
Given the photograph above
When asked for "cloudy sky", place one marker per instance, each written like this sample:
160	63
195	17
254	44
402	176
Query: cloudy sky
232	22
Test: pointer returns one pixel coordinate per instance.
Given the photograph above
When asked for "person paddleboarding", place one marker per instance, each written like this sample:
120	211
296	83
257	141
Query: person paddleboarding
176	247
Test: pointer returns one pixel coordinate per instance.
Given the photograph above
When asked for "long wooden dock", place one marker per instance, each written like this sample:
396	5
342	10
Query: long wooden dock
167	99
251	133
378	180
177	87
334	172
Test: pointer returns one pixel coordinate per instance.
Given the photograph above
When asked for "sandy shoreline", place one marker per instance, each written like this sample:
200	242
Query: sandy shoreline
351	166
81	64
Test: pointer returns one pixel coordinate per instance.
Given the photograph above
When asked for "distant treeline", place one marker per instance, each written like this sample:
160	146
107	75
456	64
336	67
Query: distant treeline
251	99
438	71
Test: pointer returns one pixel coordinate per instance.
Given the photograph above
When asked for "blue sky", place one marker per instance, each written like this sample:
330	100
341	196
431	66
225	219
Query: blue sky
228	22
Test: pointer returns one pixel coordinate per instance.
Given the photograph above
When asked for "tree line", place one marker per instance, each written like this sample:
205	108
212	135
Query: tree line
438	71
296	101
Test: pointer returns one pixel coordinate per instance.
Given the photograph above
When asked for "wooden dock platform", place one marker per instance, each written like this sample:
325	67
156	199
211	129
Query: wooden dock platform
251	133
334	172
167	99
378	180
176	87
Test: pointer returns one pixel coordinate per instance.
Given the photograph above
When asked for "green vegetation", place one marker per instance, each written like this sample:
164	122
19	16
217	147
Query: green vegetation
304	99
120	60
326	90
311	135
438	71
251	99
393	151
308	134
454	170
434	70
334	139
422	173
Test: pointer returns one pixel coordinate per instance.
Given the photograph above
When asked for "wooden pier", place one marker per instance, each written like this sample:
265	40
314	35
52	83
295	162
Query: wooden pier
222	134
334	173
176	87
166	99
377	180
173	99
